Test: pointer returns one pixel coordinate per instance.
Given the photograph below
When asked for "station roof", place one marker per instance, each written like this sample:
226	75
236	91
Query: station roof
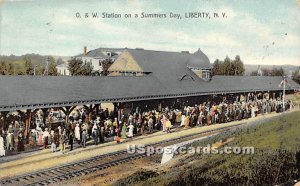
30	92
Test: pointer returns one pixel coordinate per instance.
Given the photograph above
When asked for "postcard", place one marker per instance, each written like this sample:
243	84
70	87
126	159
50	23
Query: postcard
140	92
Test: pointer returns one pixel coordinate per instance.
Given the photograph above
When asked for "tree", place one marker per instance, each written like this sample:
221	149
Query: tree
229	67
52	70
39	70
19	69
296	75
218	67
274	72
86	70
238	66
28	66
277	72
76	67
105	65
6	68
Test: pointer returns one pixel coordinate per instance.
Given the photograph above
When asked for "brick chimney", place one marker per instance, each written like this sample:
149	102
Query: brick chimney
84	50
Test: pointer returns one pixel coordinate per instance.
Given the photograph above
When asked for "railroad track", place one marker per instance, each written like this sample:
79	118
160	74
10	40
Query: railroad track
83	167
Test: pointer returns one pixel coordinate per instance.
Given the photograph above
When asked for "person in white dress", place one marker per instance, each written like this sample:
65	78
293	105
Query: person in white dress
2	149
252	111
77	133
130	132
182	120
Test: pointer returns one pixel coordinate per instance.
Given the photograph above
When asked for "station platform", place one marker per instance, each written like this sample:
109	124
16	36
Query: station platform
37	160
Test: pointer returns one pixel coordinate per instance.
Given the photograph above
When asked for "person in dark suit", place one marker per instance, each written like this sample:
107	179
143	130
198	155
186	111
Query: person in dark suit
71	140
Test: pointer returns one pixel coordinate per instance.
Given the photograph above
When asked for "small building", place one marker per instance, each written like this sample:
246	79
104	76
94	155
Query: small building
62	69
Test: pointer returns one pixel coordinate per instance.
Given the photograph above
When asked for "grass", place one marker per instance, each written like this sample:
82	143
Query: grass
276	159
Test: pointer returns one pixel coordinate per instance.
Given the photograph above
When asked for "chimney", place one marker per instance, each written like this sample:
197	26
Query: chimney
84	50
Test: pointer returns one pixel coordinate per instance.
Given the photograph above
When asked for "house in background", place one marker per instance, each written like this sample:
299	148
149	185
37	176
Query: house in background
140	62
99	57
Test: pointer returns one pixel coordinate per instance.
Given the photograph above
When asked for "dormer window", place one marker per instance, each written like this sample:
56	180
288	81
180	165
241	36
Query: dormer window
202	73
205	75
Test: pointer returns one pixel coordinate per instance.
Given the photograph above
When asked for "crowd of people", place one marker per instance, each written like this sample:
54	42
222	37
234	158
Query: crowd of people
118	125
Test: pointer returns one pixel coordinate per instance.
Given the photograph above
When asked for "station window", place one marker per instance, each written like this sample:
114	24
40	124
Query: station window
205	75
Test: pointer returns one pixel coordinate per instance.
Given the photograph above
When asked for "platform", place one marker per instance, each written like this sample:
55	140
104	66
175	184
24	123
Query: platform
29	162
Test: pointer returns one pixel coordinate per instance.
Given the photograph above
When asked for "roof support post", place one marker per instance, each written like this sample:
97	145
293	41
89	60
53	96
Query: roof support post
116	106
117	110
4	124
22	115
44	114
27	125
89	109
97	108
67	111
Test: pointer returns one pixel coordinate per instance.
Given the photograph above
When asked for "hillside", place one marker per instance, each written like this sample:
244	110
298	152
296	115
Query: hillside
30	64
36	59
276	159
288	69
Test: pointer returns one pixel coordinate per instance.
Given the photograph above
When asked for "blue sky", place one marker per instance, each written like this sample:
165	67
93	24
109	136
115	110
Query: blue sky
260	31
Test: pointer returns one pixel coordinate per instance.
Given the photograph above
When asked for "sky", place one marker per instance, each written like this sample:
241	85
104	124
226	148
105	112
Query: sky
265	32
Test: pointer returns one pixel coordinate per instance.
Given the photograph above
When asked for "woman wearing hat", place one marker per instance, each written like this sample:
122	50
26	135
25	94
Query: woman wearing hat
77	133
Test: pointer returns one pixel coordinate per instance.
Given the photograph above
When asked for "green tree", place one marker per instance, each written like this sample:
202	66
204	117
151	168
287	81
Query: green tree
105	65
238	66
77	67
6	68
52	70
39	70
228	68
19	70
74	66
218	67
28	66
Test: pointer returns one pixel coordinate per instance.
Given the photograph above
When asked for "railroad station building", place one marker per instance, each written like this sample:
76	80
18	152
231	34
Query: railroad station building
137	78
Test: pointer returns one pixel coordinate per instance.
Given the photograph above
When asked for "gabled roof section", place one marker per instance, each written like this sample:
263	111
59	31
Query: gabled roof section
126	62
96	54
198	60
165	66
99	52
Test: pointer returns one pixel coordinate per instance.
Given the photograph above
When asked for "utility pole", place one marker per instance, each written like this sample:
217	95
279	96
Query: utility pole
34	69
283	95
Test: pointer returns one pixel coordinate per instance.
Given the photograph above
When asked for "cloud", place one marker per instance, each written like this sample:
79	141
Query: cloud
56	30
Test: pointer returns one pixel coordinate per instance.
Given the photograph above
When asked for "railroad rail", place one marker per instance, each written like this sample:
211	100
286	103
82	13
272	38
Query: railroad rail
86	166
